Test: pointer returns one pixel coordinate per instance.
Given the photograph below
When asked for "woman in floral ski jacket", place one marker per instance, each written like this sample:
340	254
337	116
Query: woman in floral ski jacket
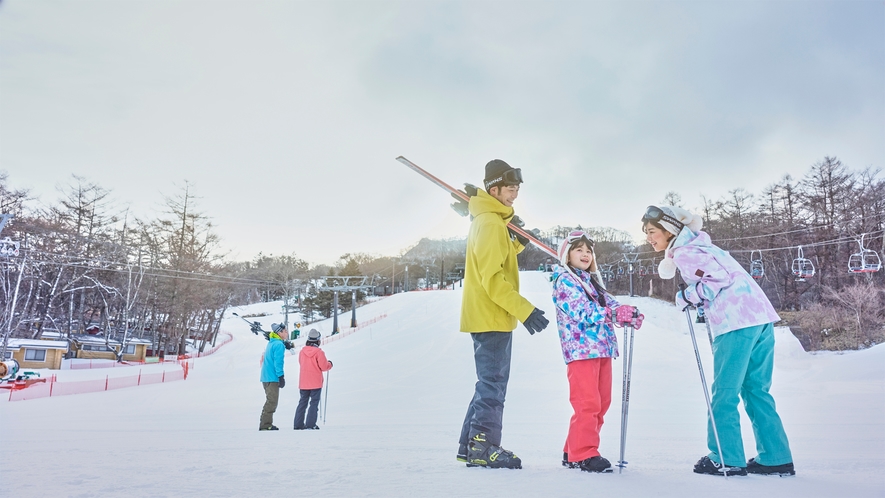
742	323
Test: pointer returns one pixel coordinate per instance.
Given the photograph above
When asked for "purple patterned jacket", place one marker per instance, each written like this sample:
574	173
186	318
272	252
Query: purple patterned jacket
732	299
585	328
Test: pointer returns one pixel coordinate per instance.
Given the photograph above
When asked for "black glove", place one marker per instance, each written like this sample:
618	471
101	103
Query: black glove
282	381
536	321
288	344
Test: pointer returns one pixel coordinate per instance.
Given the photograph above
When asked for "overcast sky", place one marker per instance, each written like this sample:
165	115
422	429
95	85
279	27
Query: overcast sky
287	116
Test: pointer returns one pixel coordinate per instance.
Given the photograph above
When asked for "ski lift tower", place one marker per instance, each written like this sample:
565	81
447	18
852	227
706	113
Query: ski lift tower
630	259
343	284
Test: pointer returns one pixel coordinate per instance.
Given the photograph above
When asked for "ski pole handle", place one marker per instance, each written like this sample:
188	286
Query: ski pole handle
682	291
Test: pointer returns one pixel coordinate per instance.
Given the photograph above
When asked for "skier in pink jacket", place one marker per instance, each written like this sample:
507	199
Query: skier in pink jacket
742	322
313	363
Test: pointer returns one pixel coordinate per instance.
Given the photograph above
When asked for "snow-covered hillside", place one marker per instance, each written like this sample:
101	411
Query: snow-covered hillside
397	397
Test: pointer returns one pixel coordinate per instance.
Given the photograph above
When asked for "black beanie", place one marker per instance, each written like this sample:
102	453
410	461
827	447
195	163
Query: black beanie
495	169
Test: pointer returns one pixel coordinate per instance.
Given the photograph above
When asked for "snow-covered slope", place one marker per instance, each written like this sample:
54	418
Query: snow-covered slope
396	399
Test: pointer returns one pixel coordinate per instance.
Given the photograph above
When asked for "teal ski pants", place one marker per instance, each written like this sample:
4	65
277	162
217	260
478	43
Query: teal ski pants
743	361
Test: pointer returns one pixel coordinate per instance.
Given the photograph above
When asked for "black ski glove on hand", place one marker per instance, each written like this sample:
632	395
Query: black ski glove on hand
282	381
536	321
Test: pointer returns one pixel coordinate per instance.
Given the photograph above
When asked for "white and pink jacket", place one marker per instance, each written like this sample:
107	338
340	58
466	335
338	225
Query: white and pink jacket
732	299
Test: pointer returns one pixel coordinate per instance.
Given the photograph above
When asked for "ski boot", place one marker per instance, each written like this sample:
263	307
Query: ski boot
462	453
595	464
481	453
784	470
567	464
707	466
271	428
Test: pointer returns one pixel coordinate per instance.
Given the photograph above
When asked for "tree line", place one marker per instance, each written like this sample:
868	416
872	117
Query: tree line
827	213
85	263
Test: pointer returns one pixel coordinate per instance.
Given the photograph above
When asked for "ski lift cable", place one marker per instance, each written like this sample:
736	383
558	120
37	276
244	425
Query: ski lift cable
199	277
154	271
620	256
776	234
840	240
159	272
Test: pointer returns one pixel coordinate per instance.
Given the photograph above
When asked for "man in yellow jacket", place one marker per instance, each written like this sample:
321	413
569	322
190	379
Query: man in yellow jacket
490	308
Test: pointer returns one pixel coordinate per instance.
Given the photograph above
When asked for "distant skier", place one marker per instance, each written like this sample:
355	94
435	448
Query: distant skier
742	320
313	363
490	307
589	342
272	374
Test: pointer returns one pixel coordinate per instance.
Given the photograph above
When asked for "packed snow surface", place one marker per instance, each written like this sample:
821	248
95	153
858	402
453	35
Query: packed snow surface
396	399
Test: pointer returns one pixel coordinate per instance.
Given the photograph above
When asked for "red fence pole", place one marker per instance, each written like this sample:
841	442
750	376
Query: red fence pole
106	377
139	376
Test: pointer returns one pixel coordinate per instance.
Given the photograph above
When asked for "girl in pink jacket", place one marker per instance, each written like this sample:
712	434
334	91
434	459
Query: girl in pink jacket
313	363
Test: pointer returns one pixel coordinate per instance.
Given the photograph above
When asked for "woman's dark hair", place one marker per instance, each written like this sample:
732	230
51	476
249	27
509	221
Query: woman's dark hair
600	294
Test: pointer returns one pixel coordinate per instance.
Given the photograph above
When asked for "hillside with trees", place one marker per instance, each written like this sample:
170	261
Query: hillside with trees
83	263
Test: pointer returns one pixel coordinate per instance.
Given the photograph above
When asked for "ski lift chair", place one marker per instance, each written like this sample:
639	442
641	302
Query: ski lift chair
864	261
757	268
802	267
8	248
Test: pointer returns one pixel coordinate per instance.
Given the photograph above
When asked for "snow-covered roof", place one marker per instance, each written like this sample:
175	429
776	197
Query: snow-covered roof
100	339
36	344
52	334
92	339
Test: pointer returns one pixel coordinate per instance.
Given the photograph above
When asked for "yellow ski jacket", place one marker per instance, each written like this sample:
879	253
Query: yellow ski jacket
491	300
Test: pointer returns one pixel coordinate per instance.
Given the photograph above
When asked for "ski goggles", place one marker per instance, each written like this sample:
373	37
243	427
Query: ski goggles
656	215
509	177
576	235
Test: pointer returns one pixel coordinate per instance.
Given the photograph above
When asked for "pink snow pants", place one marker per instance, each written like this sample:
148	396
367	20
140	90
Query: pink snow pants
590	392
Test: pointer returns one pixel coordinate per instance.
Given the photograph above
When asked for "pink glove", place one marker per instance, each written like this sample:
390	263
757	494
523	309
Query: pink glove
625	316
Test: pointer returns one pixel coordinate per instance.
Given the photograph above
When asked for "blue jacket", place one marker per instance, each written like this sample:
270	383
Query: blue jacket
274	356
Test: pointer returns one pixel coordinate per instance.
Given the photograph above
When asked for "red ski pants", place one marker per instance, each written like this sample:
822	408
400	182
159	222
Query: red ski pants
590	392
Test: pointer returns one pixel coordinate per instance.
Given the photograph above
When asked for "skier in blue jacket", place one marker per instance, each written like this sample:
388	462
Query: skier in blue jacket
272	374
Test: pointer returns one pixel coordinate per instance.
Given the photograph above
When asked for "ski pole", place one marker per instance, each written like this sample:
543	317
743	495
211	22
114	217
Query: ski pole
697	355
702	318
625	391
326	402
